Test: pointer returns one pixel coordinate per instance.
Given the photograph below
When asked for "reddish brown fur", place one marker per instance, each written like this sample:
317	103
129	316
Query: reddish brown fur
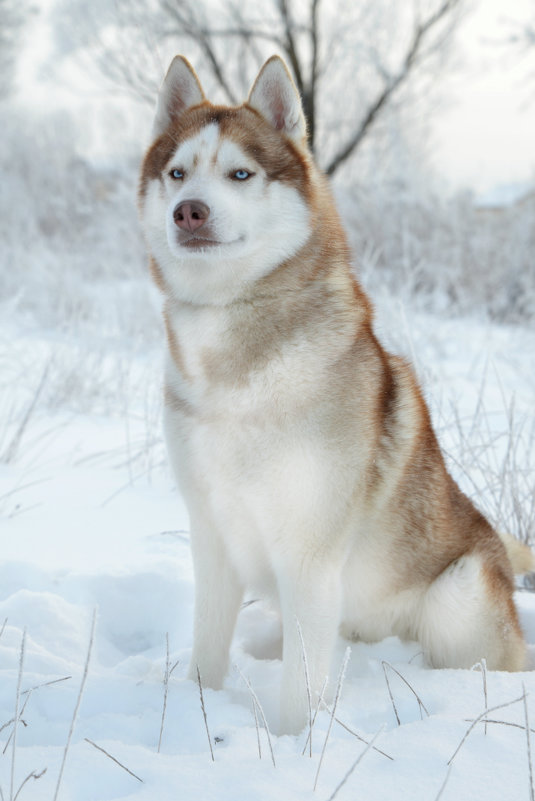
281	160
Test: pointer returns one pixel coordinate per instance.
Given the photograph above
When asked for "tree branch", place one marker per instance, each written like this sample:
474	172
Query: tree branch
412	58
290	47
189	26
314	73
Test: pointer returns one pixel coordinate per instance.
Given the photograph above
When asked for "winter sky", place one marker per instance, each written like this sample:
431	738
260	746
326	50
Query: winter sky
485	134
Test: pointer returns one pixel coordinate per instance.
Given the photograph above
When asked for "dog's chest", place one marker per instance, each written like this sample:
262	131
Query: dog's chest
246	436
236	367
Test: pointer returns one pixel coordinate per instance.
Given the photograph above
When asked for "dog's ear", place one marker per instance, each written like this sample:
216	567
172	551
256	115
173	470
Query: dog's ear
180	90
275	96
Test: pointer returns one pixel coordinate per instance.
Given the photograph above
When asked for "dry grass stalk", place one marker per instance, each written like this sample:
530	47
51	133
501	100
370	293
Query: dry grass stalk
444	783
357	761
78	702
485	693
501	723
165	690
478	720
13	447
307	682
45	684
204	714
341	677
320	703
259	707
16	718
356	735
255	713
99	748
20	720
528	744
32	775
421	704
391	695
27	693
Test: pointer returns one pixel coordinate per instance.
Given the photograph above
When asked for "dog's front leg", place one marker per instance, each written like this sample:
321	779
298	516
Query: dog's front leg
218	595
310	603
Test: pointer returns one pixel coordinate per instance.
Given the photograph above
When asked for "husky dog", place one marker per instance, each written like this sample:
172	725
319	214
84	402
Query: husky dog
303	449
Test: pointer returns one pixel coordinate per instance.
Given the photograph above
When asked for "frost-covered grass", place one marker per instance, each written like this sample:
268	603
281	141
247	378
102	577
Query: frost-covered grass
90	520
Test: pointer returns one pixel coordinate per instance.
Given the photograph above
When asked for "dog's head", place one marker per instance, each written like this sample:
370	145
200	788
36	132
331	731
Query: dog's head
224	191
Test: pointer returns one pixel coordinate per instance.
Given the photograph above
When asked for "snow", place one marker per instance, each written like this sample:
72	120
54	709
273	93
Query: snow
90	520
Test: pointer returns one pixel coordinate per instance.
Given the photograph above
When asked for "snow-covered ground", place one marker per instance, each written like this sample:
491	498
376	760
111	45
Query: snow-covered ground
90	522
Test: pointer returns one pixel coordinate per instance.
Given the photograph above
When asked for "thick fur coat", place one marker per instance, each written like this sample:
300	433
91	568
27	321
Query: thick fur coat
304	450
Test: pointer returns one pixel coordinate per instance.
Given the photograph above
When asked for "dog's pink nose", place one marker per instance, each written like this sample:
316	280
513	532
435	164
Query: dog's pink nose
191	214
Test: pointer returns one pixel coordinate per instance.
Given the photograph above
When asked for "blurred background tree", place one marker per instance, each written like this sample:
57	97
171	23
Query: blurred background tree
350	61
14	15
372	77
521	41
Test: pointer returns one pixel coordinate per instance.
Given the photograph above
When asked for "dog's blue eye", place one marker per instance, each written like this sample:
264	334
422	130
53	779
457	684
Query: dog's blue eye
242	175
176	174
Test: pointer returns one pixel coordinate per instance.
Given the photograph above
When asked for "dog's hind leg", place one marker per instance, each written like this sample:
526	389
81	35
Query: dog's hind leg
468	615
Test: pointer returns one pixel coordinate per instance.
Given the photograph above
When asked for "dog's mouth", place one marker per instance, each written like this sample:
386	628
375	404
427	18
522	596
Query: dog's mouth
197	242
204	243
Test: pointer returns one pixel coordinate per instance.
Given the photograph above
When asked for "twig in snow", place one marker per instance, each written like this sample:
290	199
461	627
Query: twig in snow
341	677
16	719
307	682
4	624
354	765
204	714
421	704
528	743
478	720
259	707
99	748
78	701
32	775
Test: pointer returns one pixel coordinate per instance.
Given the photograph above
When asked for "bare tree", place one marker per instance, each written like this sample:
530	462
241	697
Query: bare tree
350	60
